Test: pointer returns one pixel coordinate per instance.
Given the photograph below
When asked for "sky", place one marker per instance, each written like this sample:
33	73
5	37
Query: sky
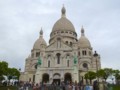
21	22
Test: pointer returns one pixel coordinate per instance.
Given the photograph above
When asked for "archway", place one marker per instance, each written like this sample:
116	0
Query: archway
56	78
45	78
67	78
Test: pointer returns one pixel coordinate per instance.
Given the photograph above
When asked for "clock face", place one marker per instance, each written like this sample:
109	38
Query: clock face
85	65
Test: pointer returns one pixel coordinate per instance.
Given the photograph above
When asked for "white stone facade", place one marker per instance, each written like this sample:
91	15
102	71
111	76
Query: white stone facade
57	58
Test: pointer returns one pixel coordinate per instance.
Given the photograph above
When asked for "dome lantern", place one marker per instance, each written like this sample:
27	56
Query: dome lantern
41	32
82	31
63	11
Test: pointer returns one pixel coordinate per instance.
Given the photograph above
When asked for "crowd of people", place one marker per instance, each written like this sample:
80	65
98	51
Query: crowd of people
56	86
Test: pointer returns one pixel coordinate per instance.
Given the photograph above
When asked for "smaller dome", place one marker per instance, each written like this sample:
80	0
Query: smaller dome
39	42
83	41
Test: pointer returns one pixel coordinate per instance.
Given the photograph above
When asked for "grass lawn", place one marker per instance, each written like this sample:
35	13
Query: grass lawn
10	88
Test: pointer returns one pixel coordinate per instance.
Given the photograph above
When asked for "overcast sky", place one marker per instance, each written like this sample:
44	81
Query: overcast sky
21	21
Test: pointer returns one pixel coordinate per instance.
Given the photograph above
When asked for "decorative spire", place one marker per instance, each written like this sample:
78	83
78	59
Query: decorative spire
82	31
41	32
63	11
95	54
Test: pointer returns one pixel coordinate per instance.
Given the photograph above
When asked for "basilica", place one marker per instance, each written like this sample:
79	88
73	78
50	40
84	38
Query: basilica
66	58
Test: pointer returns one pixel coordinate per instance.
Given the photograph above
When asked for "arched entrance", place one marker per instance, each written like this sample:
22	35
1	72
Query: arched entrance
67	78
56	78
45	78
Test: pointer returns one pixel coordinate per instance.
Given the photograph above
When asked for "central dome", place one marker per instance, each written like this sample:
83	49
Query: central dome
63	23
64	29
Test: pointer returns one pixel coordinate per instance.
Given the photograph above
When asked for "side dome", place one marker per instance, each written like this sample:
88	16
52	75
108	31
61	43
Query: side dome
83	41
39	42
63	23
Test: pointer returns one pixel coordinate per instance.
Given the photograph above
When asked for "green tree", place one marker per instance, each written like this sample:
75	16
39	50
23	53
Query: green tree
3	68
1	78
13	72
90	75
116	73
108	72
101	74
104	73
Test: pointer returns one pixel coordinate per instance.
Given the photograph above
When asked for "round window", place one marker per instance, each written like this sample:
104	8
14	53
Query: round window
85	65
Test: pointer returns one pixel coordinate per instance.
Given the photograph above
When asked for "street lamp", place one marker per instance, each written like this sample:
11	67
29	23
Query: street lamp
87	72
19	69
85	65
96	55
20	73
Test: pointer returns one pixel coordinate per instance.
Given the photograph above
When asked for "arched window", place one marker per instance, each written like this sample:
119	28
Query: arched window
66	42
68	63
62	31
33	78
79	53
84	52
37	54
67	56
48	63
70	43
58	42
58	58
70	32
90	53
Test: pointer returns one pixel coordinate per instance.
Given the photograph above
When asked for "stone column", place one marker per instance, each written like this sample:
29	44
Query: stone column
38	77
76	78
62	75
50	76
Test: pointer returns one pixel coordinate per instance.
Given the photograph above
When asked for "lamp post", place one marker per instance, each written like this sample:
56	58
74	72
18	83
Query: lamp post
87	72
20	74
96	55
